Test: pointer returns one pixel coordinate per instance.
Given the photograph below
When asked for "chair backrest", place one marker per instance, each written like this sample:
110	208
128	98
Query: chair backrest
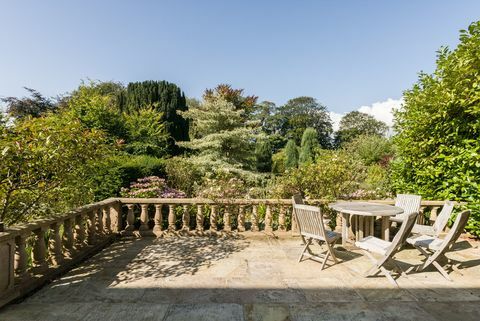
297	199
442	218
409	203
310	221
452	236
401	237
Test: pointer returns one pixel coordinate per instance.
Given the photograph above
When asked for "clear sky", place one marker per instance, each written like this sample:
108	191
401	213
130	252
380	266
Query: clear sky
347	54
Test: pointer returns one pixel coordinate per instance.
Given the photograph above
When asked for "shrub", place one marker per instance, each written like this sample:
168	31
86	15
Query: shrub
151	187
263	156
278	162
184	174
133	167
309	146
291	154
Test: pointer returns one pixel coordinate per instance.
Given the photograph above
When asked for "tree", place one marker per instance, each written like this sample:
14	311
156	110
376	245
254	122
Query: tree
233	96
47	166
34	106
355	124
223	135
298	114
438	129
165	98
263	155
371	149
291	154
309	146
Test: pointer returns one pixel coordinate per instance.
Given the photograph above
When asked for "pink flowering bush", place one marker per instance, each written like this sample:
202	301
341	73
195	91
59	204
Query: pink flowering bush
151	187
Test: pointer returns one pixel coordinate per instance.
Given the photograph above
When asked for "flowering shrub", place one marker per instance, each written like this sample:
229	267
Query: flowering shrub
151	187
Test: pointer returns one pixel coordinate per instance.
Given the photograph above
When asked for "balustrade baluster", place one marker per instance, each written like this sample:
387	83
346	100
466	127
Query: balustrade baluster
91	237
39	249
241	218
55	244
79	235
294	223
213	218
157	229
106	220
143	217
199	218
268	219
434	214
254	219
186	218
21	259
115	217
99	222
67	238
281	219
171	218
130	218
227	224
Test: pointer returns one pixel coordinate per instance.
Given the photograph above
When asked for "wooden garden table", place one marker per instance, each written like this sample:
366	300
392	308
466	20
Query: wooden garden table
363	216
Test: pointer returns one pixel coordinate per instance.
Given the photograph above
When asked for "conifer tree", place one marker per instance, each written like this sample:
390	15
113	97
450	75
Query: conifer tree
309	146
263	154
291	154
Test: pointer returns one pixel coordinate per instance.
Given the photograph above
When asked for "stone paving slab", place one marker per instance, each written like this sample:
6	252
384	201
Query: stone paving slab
247	278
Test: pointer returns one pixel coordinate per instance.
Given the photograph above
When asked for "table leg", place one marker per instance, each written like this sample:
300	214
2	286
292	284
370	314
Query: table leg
345	224
372	225
360	228
385	228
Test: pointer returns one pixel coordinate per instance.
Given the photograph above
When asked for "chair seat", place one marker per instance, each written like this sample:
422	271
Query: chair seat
373	244
426	241
423	229
330	235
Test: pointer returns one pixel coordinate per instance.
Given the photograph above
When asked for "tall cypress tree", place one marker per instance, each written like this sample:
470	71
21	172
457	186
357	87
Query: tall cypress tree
309	145
291	154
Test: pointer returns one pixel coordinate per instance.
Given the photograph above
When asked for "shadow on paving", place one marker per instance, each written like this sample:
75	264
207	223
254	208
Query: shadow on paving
134	279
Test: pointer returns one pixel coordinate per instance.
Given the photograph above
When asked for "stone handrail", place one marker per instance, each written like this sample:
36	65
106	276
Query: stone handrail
35	252
156	216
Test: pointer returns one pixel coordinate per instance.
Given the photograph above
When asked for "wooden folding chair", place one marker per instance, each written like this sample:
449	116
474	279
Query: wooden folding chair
298	200
409	203
440	222
387	249
434	248
311	226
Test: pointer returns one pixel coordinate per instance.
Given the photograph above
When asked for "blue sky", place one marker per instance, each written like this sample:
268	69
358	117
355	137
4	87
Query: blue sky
347	54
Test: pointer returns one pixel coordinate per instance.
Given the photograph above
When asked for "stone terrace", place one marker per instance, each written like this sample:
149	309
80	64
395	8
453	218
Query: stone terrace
252	276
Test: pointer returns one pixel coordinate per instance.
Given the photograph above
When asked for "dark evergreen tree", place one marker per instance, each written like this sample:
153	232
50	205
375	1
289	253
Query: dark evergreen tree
164	97
291	155
263	155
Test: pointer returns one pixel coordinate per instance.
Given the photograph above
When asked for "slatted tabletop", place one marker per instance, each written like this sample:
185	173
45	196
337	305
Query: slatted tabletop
366	208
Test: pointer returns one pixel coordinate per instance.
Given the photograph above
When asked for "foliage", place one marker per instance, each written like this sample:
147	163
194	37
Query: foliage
300	113
263	155
309	146
224	136
376	184
372	149
146	133
96	110
438	129
131	167
291	155
333	175
151	187
47	163
166	98
34	106
234	96
355	124
184	174
278	162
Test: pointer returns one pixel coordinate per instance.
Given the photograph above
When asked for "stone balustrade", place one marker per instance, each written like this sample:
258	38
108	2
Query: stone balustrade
155	217
33	253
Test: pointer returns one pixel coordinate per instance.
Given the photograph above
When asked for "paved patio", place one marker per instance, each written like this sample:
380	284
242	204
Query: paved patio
247	278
